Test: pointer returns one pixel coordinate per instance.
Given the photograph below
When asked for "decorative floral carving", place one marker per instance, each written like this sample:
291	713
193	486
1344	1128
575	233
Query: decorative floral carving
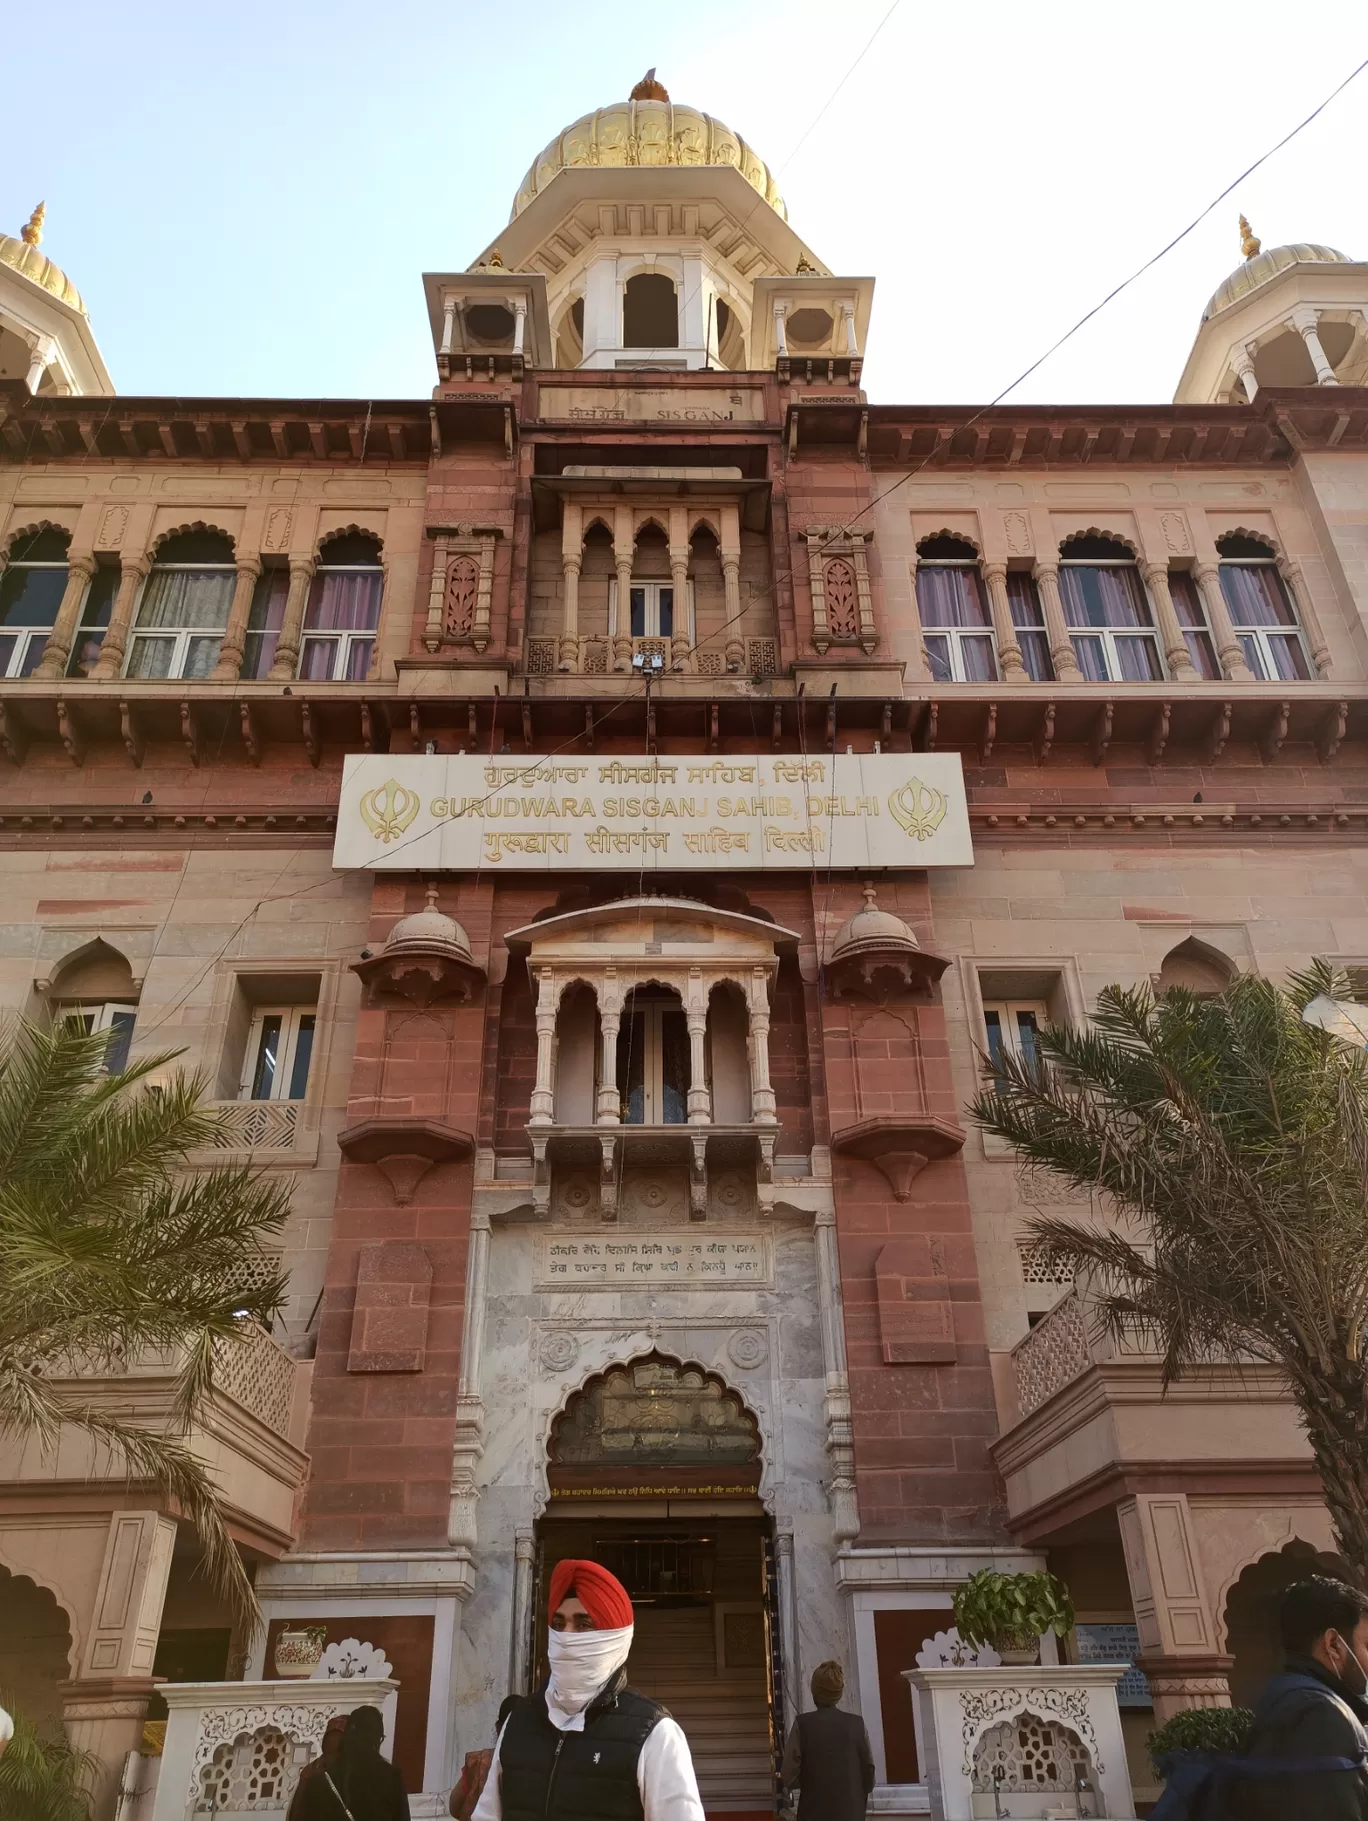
559	1350
112	527
350	1658
1175	530
948	1650
842	599
980	1707
462	592
1028	1755
276	536
1017	530
247	1748
748	1348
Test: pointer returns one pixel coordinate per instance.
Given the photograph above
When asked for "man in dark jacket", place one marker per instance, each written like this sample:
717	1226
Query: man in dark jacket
827	1759
1316	1710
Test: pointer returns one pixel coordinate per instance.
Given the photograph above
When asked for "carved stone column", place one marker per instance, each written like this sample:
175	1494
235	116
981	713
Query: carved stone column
468	1440
730	551
609	1109
840	1435
624	553
787	1591
132	575
519	325
1010	661
520	1643
571	562
1228	647
1170	632
762	1093
696	1016
448	331
80	569
42	354
1243	362
848	321
543	1094
1306	323
679	581
1061	645
292	623
235	633
1306	613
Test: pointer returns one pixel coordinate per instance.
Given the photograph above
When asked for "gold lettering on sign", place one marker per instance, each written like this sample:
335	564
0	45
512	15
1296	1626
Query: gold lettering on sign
718	841
497	776
542	841
799	771
618	773
612	841
794	841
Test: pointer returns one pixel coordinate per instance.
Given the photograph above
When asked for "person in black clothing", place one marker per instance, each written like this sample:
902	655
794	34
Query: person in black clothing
827	1758
1316	1711
360	1784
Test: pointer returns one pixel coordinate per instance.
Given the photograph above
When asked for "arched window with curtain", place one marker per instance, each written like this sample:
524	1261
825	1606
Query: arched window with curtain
1261	610
343	610
957	628
184	607
1107	611
32	584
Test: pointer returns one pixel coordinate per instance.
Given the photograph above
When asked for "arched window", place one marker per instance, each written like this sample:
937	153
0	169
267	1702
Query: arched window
1261	610
184	607
1105	599
957	629
32	584
653	1058
650	312
343	611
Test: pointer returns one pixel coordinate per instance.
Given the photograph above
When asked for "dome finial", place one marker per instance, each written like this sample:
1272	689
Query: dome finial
432	897
32	231
868	895
648	89
1249	241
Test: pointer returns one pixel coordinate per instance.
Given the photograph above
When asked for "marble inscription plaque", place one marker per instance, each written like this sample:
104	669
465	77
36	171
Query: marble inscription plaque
686	1261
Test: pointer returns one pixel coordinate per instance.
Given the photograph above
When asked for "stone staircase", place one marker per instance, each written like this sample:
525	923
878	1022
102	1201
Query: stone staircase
724	1714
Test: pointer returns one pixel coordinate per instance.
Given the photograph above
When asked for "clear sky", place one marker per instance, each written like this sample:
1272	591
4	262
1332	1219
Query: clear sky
247	193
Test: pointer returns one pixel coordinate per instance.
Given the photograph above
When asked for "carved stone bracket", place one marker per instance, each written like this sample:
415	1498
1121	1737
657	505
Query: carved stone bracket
423	976
404	1149
900	1149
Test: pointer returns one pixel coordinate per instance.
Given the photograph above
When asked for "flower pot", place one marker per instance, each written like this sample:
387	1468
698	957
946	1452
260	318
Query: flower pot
1016	1650
299	1650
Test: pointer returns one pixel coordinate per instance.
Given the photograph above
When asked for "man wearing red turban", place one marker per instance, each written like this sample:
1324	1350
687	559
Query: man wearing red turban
586	1747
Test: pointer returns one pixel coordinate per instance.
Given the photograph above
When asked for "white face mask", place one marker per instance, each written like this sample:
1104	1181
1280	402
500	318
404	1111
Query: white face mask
581	1662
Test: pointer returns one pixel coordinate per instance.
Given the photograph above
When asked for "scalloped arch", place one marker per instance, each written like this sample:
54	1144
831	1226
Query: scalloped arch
1112	537
1266	538
191	525
351	530
651	521
662	1356
960	537
41	1584
32	528
1290	1538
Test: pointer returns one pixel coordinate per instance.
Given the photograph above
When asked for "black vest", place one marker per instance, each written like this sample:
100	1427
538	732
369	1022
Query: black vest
547	1775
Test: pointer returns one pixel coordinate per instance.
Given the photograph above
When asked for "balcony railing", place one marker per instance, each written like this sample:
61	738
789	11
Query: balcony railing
1064	1344
573	656
255	1125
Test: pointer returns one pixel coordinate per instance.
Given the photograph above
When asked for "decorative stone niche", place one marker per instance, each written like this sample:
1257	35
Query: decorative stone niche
462	588
842	601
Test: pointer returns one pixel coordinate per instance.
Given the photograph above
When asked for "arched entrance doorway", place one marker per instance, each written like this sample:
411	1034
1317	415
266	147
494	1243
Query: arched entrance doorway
654	1470
35	1646
1251	1614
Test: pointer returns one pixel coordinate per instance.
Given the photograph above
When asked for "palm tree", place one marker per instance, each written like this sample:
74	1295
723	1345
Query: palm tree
42	1777
1225	1145
109	1247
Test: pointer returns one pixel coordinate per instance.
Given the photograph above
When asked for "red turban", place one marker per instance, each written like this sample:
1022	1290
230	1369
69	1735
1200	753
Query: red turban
601	1594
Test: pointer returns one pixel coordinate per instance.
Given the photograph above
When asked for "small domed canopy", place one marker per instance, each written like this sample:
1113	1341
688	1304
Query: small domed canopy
428	928
648	129
875	945
426	958
1264	266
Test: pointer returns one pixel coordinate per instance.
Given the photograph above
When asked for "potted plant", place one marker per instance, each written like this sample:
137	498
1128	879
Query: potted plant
299	1650
1012	1612
1200	1733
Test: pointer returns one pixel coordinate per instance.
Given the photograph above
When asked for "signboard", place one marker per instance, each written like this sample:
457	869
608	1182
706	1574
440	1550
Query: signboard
576	1260
1118	1642
643	405
456	812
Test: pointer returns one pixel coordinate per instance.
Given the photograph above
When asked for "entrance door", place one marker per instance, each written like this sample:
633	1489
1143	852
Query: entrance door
701	1648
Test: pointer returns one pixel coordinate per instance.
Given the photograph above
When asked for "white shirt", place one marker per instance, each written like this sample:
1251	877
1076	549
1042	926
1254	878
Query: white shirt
665	1773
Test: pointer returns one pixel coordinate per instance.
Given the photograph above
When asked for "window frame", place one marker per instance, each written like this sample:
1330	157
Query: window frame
1108	635
1007	1011
1258	637
1036	630
292	1018
179	635
100	1015
1200	634
342	641
656	584
953	637
653	1085
25	635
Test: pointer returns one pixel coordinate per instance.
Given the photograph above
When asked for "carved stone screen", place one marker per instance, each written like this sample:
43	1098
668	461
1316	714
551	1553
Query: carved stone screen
654	1427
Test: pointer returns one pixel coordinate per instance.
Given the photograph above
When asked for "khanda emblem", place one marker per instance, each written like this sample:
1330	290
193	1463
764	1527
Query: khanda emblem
917	809
389	809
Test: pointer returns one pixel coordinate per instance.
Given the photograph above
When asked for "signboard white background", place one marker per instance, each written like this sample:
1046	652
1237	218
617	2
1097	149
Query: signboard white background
587	813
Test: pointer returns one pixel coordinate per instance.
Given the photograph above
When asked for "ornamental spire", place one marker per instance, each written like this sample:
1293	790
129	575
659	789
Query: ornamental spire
1249	241
32	231
648	89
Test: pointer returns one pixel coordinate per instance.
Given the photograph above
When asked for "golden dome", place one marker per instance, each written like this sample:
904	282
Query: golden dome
646	131
22	256
1264	265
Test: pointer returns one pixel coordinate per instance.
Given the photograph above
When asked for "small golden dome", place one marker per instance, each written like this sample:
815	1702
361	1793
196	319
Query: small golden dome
1259	267
22	256
648	131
